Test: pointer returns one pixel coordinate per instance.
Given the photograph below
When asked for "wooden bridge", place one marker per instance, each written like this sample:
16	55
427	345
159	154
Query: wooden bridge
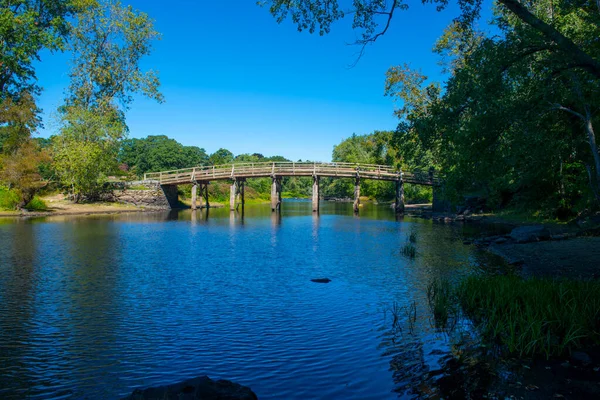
200	177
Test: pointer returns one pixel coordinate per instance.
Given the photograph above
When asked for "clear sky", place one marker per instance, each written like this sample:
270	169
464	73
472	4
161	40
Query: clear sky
234	78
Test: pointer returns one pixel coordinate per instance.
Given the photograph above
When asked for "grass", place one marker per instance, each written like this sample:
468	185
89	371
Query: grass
409	250
528	317
138	187
8	199
442	303
36	204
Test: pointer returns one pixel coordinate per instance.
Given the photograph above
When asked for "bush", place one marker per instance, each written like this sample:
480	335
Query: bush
36	204
417	194
9	199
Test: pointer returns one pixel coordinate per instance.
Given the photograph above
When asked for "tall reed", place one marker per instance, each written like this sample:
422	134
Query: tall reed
536	316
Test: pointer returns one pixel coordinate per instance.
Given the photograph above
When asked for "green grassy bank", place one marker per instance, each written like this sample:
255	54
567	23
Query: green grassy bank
9	199
533	317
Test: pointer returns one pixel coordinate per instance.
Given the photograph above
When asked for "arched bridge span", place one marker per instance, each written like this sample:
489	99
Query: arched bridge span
201	176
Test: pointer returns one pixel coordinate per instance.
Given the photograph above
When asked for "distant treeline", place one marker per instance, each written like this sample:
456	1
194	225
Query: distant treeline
161	153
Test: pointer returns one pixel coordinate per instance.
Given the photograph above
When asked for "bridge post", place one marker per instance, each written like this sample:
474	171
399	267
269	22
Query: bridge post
194	195
356	195
276	194
232	195
315	194
241	189
206	195
399	205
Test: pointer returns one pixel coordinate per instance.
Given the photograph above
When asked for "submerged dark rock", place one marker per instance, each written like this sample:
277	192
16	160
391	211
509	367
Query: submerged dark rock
321	280
531	233
200	388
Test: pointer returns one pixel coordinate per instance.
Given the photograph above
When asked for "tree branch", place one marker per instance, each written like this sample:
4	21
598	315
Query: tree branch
562	42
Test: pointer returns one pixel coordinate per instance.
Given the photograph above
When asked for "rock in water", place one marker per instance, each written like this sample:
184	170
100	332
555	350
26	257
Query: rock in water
532	233
201	388
321	280
579	357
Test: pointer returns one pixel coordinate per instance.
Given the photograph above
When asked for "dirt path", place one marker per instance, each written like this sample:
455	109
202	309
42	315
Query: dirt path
58	205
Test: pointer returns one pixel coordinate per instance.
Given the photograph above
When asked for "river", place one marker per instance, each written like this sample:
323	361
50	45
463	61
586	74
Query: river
95	306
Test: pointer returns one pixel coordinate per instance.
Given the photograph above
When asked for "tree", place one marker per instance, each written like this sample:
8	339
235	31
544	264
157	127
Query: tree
20	170
85	152
27	27
512	123
108	42
159	153
373	18
18	118
221	156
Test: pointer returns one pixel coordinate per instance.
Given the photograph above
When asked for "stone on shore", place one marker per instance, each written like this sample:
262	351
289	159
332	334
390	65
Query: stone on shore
200	388
531	233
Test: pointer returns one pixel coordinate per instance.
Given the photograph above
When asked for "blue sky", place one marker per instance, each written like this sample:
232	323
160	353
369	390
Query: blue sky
234	78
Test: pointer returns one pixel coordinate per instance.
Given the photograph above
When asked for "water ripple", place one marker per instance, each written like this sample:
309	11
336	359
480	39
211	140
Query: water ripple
94	307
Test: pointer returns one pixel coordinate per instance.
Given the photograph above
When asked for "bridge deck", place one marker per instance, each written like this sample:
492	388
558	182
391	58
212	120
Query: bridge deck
270	169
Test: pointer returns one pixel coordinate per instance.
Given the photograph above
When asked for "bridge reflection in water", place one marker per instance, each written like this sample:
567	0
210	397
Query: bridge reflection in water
200	177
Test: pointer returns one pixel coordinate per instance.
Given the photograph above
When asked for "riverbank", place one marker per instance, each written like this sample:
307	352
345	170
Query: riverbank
57	204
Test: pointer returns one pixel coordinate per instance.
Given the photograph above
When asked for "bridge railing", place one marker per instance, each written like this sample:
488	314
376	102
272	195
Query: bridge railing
288	168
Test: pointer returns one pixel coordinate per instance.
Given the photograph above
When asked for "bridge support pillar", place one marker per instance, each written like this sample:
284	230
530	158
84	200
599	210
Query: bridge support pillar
232	195
204	193
170	192
236	191
276	194
356	195
315	194
399	205
440	202
194	195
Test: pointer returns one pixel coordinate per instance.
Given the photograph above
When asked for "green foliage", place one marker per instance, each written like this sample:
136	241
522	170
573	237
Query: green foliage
27	27
417	194
508	126
159	153
9	198
442	303
533	316
18	118
221	156
108	43
374	148
20	169
85	152
36	204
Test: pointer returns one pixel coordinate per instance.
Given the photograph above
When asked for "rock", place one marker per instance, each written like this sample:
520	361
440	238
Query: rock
201	388
530	233
589	221
501	240
321	280
579	357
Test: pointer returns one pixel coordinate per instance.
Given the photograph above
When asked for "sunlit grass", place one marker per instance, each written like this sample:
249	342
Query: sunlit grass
526	316
36	204
8	199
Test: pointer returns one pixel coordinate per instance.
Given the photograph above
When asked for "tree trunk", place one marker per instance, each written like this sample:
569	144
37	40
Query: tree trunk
589	128
26	197
566	45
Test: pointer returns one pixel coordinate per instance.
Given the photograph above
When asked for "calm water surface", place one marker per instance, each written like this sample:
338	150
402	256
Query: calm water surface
93	307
